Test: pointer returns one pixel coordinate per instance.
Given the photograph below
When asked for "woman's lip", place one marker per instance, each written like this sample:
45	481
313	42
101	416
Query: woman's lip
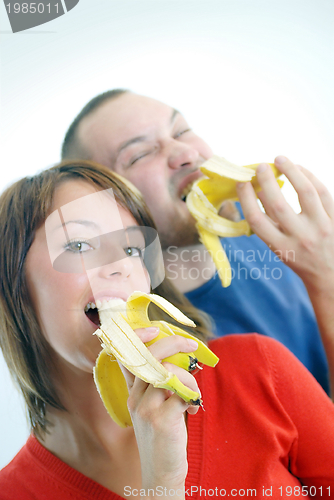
107	295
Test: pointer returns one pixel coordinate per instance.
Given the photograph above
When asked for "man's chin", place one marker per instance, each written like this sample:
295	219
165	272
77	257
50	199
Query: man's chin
185	238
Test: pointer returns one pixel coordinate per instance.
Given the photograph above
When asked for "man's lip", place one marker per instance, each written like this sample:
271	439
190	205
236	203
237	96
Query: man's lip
187	180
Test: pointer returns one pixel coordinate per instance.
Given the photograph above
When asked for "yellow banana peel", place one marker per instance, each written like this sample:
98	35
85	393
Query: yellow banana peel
205	199
121	344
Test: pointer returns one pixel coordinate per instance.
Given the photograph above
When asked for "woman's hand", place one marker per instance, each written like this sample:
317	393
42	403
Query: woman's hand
158	418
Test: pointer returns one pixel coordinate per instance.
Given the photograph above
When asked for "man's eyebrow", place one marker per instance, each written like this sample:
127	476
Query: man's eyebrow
127	143
174	115
141	138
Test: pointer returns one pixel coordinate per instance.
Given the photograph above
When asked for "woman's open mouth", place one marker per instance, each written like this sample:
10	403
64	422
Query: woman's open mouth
92	308
92	314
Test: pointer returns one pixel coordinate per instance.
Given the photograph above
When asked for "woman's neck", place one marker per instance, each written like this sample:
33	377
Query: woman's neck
87	439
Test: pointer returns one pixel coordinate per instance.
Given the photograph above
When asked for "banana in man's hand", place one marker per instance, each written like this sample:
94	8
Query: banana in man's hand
120	342
205	199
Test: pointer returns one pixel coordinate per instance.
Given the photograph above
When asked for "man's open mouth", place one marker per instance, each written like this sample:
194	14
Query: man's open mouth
186	191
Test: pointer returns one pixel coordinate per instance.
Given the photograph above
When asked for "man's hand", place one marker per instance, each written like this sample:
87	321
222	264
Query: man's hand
304	241
229	211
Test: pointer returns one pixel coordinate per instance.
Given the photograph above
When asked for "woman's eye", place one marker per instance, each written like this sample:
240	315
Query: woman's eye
181	132
133	252
78	246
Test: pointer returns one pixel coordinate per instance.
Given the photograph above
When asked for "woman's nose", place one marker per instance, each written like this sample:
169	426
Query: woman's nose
120	268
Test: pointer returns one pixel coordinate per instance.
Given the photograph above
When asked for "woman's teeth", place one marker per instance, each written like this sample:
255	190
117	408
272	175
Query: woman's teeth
90	305
98	304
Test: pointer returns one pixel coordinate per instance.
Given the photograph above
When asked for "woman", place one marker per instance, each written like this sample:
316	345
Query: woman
267	429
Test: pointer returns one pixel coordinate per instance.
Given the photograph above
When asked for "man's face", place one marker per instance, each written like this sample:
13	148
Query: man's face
151	145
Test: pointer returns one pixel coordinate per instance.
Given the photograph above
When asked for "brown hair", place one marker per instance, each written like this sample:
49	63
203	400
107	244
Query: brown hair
72	147
24	206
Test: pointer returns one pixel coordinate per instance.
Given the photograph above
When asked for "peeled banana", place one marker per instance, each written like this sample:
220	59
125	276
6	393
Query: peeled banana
206	197
120	343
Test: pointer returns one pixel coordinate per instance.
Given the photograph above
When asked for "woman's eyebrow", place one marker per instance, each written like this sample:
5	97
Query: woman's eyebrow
82	222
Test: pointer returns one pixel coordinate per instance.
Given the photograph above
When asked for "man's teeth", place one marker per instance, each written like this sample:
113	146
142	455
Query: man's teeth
90	305
186	191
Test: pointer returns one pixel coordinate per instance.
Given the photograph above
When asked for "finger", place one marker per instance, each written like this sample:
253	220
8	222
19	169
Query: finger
260	223
129	377
185	377
229	211
175	401
262	196
147	334
151	398
173	344
308	196
149	401
141	393
324	195
273	200
188	380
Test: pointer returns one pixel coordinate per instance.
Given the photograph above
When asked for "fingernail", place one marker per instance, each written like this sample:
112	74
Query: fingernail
280	160
152	329
192	344
240	185
261	168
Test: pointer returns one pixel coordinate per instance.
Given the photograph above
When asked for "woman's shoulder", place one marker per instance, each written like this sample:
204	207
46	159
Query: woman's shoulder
247	344
11	475
257	364
254	359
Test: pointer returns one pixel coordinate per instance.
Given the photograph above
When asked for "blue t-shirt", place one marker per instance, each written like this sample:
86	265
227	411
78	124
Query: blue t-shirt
266	297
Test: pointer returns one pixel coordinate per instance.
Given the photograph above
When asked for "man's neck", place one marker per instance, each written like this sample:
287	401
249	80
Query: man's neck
188	267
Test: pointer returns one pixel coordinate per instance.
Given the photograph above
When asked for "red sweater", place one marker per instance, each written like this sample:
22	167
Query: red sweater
267	430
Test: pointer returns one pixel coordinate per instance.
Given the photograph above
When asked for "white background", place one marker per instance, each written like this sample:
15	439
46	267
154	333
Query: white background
254	78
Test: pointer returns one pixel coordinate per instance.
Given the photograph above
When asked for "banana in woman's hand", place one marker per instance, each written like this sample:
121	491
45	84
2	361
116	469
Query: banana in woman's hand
205	199
120	342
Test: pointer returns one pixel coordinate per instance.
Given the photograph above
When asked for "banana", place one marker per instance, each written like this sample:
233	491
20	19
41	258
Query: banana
120	343
206	197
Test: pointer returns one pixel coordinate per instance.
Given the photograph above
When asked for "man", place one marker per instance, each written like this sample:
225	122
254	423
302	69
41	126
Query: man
153	146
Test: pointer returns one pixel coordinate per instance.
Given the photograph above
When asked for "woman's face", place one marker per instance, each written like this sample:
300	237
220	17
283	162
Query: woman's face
67	267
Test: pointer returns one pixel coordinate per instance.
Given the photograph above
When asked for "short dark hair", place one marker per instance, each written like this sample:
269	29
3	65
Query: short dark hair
71	147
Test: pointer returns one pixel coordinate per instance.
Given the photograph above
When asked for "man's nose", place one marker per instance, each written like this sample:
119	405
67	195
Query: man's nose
182	155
